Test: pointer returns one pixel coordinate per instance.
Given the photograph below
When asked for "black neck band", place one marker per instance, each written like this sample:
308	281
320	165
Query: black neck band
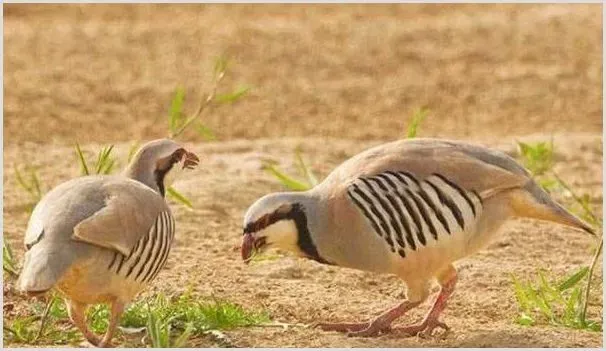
304	241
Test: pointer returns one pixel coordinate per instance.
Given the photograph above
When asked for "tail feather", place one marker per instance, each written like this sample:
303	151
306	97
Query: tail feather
533	202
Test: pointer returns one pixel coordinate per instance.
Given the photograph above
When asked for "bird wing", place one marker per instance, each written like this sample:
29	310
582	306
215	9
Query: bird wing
470	167
129	213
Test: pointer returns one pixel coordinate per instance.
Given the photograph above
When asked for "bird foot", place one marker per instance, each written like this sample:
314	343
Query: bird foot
424	329
104	344
92	339
365	329
342	327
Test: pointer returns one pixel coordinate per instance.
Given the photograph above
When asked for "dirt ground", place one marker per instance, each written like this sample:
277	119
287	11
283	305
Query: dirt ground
334	80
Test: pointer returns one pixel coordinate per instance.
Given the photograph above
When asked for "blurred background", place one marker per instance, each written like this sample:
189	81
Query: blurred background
354	71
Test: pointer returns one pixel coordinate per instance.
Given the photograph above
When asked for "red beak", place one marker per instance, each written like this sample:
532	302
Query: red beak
248	244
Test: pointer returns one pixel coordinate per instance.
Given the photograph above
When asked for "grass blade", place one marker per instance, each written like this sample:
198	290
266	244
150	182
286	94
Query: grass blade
83	166
417	117
206	132
175	115
182	339
233	96
573	279
8	260
287	181
590	274
177	196
132	150
303	168
21	181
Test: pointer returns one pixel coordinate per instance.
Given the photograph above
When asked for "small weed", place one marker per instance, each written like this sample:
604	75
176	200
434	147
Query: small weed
159	331
103	165
9	264
178	197
134	146
27	329
290	182
557	303
233	96
29	182
170	322
417	117
177	121
537	157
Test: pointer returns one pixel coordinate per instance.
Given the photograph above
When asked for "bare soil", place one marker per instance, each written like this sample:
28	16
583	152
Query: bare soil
334	80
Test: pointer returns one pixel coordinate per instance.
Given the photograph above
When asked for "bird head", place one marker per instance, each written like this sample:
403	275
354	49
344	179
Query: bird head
157	163
279	221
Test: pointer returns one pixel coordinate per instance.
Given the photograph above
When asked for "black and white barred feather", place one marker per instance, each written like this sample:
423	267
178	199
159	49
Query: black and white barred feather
149	254
409	213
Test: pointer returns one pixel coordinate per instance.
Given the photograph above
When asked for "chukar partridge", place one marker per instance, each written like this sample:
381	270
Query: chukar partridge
102	238
409	208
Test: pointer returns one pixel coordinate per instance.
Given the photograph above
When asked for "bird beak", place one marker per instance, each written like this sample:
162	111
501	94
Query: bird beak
191	160
248	244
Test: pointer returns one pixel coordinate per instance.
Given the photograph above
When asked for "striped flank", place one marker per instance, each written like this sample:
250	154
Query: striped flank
149	254
408	213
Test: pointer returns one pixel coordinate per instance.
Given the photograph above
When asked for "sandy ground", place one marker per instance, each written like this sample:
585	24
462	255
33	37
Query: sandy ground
335	80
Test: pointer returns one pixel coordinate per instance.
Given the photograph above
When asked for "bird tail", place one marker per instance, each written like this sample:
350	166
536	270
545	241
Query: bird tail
42	268
532	201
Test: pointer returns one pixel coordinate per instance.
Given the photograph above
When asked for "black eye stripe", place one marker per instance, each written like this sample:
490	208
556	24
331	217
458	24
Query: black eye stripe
267	220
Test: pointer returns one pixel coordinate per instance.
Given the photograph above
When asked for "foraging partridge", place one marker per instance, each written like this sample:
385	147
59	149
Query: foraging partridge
409	208
103	238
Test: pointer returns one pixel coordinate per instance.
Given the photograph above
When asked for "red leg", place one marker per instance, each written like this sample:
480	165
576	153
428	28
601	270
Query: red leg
380	324
117	308
431	321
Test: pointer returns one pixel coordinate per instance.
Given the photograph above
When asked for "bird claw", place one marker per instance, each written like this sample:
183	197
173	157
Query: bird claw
425	329
371	331
341	327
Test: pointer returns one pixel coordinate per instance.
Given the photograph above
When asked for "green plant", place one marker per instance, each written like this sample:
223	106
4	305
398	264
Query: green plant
103	165
177	120
25	329
31	183
417	117
178	197
557	303
537	157
565	303
8	260
290	182
187	309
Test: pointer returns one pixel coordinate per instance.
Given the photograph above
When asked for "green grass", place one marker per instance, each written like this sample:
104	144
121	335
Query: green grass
418	117
549	301
30	182
9	264
104	163
538	157
302	182
26	329
169	322
202	314
177	120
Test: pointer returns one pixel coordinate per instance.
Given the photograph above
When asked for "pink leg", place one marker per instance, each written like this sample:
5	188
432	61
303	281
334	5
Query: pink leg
431	321
117	308
380	324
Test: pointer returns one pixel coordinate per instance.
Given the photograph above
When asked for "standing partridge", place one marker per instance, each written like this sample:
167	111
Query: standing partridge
103	238
409	208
